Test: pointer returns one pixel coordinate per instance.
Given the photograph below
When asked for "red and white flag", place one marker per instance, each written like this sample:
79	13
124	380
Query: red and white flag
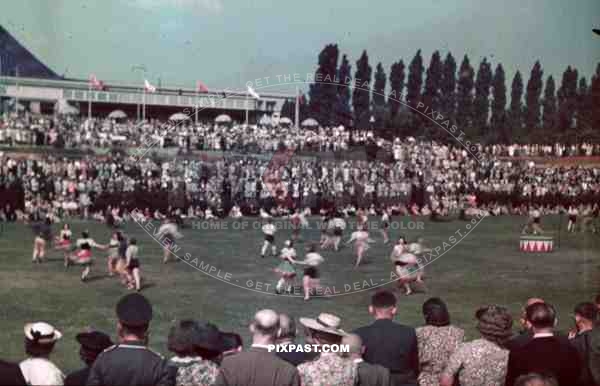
95	83
201	87
148	87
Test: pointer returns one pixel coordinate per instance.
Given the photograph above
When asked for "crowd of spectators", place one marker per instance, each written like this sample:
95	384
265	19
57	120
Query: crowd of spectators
382	353
415	176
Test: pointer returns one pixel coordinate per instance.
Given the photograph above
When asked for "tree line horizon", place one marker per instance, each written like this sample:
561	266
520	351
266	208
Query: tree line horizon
475	101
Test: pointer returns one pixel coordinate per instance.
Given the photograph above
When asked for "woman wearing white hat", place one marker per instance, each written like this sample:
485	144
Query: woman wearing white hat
37	369
286	269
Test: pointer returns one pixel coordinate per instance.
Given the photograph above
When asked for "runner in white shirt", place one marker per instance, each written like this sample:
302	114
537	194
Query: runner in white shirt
361	243
269	230
572	213
310	279
168	232
286	269
385	225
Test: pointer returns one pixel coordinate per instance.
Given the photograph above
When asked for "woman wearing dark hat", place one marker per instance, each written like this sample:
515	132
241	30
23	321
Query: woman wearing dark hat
37	369
197	348
92	343
484	360
437	340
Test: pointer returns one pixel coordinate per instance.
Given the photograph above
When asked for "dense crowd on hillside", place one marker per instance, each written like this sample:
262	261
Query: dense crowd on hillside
380	354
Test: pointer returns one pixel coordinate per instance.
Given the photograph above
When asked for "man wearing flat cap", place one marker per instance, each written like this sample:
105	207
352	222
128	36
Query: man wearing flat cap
258	366
92	343
131	362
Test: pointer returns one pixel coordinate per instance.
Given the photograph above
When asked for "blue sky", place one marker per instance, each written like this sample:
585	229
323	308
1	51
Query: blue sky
226	43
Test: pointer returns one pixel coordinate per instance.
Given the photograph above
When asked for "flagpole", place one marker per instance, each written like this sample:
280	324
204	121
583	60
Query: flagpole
89	100
196	116
297	111
144	104
247	95
17	90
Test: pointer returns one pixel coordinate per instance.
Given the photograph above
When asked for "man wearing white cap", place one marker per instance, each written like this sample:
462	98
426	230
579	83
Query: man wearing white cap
37	369
329	368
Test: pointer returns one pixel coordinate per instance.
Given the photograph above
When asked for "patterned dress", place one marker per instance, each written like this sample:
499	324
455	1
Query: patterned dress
479	362
194	371
436	344
328	369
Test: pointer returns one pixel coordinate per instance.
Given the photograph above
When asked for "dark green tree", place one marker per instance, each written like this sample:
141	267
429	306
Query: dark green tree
378	97
464	95
323	92
288	109
343	111
362	92
395	97
515	112
414	84
584	106
532	98
549	119
448	89
567	100
595	98
481	103
498	118
431	93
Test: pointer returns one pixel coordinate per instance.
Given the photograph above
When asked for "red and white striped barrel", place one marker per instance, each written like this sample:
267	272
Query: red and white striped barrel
536	244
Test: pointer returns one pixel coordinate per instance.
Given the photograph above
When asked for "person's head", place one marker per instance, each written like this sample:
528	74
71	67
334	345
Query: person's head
533	379
287	329
597	301
354	344
289	243
586	315
541	317
134	313
85	234
92	343
182	336
325	329
401	240
40	338
66	227
233	343
494	323
435	312
383	305
523	320
132	241
264	327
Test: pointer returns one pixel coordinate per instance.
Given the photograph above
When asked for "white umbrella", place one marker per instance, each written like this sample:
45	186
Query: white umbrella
117	114
265	120
179	117
285	121
311	122
223	118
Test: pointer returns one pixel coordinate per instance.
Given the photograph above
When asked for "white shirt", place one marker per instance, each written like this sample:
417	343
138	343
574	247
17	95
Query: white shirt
269	229
41	372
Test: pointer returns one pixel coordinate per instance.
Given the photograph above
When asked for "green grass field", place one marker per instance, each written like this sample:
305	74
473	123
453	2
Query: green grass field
484	267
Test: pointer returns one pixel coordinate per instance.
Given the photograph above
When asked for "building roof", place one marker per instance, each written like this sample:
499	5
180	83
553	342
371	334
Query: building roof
14	56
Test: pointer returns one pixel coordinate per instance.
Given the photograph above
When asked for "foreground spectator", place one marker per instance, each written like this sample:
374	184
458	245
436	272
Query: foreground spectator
437	341
257	366
92	343
366	373
391	345
37	369
329	368
536	380
287	336
597	300
131	362
594	361
586	315
526	334
196	347
545	353
232	343
482	361
11	375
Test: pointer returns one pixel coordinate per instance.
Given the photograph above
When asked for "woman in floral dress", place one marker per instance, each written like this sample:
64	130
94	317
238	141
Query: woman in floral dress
437	340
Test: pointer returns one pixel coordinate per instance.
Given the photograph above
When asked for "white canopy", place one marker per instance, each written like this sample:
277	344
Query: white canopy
223	118
179	117
311	122
117	114
285	121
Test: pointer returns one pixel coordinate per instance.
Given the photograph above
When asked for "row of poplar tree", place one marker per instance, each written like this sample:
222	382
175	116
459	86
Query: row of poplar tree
476	102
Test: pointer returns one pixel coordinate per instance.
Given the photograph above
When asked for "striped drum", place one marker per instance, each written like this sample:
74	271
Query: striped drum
536	244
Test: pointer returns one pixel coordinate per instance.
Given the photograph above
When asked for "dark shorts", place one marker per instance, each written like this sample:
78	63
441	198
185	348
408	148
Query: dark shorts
338	232
573	218
536	220
133	263
270	238
386	225
311	272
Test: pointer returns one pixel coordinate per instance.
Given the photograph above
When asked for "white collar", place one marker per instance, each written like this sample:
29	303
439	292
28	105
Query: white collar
185	359
358	360
543	335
